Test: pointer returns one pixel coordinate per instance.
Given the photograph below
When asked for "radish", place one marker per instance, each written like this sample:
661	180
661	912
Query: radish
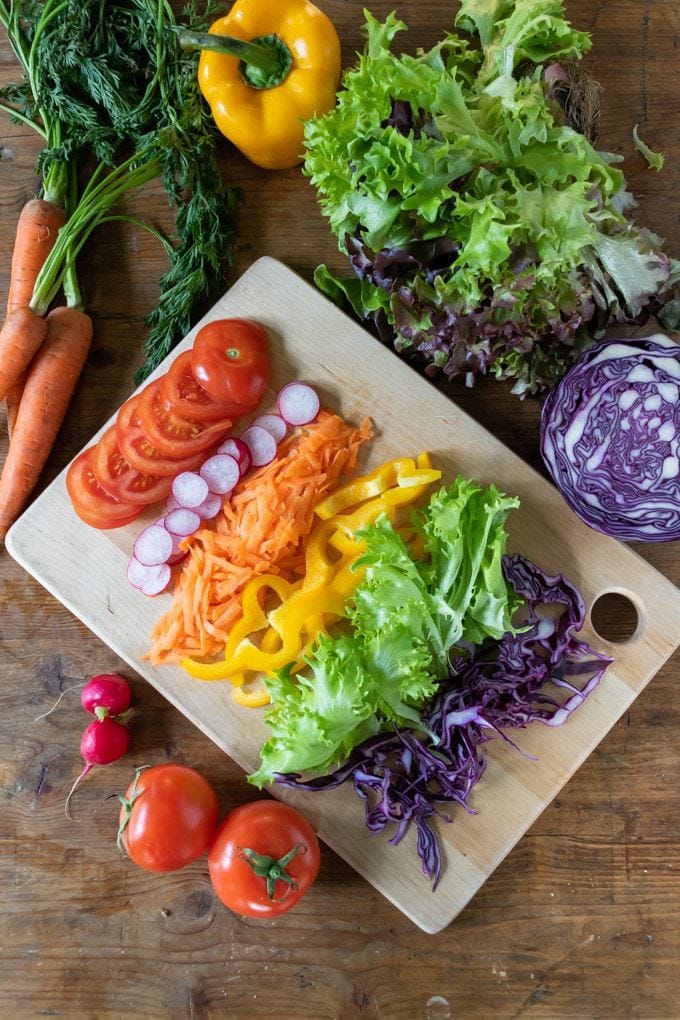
237	449
105	694
153	546
171	504
103	742
261	444
183	522
298	403
211	507
148	580
274	424
221	473
189	489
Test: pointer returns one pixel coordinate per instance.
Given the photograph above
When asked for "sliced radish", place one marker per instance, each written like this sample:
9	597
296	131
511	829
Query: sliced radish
153	546
235	448
211	507
273	423
221	473
182	522
245	464
261	444
189	489
158	582
171	504
149	580
298	403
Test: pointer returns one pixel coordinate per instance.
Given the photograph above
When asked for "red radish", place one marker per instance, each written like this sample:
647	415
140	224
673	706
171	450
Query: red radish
221	473
153	546
211	507
105	694
237	449
274	424
103	742
182	522
171	504
298	403
148	580
189	489
261	444
178	554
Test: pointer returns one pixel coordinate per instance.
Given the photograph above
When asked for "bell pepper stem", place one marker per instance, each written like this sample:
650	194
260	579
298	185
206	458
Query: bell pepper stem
264	62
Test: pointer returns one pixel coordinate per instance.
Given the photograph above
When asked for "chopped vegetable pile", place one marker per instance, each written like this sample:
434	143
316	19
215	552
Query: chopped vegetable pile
485	231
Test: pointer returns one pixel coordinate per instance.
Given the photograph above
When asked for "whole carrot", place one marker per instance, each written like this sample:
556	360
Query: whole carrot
13	399
37	229
22	334
49	386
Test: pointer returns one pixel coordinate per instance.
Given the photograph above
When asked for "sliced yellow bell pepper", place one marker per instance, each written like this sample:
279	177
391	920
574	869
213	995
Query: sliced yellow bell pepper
361	489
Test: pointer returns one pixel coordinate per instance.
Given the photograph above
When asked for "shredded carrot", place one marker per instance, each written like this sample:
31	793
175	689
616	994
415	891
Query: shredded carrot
261	529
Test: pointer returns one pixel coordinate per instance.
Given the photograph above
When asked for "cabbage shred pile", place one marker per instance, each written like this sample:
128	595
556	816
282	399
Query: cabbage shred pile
486	234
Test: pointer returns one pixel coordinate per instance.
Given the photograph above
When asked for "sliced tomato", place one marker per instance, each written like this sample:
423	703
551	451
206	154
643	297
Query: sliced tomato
186	398
122	481
140	453
174	436
93	505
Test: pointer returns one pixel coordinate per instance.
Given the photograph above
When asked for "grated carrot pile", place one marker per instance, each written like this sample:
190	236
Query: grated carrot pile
261	529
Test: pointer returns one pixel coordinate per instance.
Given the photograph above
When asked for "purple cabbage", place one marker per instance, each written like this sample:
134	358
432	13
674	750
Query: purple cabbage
402	775
610	438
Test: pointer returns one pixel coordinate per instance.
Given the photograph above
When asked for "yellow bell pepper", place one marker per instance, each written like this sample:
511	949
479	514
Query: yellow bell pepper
265	68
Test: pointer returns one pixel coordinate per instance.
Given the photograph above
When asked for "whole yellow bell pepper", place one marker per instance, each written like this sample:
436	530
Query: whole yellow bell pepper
265	68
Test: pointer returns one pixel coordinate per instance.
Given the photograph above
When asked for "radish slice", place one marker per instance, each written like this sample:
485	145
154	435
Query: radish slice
182	522
236	448
158	582
153	546
261	444
211	507
178	558
149	580
274	424
189	489
221	473
245	464
171	504
298	403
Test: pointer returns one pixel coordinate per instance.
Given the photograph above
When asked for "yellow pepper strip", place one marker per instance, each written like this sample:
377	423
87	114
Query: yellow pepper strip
265	68
361	489
255	697
423	460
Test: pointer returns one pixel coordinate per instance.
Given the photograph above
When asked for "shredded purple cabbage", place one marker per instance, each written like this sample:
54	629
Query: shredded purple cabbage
402	775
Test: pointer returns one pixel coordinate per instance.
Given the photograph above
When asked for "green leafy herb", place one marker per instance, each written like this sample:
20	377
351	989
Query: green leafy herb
655	160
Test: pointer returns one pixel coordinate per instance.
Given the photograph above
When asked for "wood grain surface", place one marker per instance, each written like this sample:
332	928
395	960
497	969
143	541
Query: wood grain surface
583	918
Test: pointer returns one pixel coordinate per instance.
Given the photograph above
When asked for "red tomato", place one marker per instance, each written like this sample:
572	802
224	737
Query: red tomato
174	436
168	818
93	505
120	479
140	453
230	360
185	397
255	845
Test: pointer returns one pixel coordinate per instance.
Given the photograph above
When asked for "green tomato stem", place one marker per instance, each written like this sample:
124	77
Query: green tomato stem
273	870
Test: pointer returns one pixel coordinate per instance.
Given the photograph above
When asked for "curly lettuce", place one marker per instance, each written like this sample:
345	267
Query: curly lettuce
486	234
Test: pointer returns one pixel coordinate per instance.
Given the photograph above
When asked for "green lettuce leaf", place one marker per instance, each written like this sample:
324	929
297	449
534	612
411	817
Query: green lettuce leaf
655	160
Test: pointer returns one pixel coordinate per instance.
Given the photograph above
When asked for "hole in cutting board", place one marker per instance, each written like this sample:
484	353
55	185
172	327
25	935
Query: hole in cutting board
614	617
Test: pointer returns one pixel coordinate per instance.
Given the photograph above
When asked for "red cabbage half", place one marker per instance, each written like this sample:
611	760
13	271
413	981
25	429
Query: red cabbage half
610	438
402	775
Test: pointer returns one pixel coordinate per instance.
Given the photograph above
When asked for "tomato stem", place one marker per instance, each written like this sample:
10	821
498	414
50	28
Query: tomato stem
273	870
127	803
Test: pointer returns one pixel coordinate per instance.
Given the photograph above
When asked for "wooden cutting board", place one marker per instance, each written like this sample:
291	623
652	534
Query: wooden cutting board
311	339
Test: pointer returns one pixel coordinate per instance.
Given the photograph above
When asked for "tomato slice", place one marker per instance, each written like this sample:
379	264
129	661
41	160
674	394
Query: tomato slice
122	481
174	436
140	453
187	399
93	505
230	361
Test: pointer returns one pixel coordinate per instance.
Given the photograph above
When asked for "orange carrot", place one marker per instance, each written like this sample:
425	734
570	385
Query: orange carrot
49	387
13	400
37	229
23	332
261	529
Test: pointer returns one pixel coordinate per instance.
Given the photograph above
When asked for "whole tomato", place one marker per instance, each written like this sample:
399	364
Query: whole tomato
230	361
264	858
168	817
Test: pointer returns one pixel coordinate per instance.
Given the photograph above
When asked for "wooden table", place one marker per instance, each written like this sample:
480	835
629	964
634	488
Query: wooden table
583	918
